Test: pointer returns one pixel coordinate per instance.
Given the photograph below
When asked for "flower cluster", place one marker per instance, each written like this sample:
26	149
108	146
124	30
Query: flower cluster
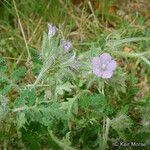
66	45
103	66
51	30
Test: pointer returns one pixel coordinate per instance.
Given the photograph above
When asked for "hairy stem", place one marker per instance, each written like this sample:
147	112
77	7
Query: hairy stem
106	126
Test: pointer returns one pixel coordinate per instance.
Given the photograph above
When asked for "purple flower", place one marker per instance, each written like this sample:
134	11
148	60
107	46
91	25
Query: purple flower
66	45
103	66
51	30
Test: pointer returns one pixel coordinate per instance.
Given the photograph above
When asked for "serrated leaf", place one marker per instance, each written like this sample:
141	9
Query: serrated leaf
18	74
61	143
55	109
5	89
27	97
64	87
124	110
21	119
121	122
71	106
45	114
36	115
95	101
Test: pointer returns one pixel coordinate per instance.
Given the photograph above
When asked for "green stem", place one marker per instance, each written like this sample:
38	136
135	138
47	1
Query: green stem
132	55
106	126
22	108
145	60
125	54
5	145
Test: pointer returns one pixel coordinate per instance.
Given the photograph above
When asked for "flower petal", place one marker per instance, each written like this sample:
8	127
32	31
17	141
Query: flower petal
112	65
96	62
66	45
97	72
107	74
51	30
105	58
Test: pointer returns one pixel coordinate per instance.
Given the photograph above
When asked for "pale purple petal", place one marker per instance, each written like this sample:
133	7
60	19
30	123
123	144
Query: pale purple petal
104	66
51	30
97	72
112	65
66	45
107	74
96	62
105	58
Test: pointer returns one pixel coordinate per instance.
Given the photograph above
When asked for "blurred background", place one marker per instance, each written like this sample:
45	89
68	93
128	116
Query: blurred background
82	20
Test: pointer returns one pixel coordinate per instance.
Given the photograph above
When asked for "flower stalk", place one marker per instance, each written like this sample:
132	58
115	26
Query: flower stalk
106	126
